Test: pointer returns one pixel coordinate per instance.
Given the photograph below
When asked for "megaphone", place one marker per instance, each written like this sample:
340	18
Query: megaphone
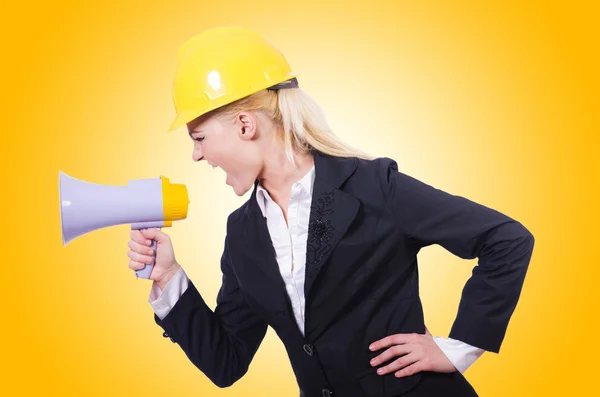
144	203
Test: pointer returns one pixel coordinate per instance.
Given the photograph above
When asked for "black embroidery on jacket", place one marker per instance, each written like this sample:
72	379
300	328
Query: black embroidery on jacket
320	232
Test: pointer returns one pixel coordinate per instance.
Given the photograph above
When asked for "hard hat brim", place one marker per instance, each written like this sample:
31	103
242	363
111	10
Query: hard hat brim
182	118
186	116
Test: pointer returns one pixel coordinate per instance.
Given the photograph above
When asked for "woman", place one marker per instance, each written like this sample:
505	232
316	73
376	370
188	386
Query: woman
325	249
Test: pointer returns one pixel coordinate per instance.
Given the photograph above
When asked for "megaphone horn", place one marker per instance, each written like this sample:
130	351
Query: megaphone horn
143	203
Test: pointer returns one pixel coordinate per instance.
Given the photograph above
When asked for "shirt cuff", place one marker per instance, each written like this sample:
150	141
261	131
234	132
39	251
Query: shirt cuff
461	354
163	301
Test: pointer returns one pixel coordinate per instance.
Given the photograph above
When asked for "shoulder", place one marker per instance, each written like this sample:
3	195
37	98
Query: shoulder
386	173
378	164
377	170
381	176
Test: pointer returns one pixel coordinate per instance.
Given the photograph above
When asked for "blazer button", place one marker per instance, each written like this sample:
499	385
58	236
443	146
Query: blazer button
326	393
165	335
308	349
172	340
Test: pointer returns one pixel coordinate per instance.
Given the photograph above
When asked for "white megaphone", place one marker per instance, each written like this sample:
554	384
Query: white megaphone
144	203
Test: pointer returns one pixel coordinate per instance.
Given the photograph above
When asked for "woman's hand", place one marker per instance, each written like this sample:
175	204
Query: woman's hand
140	253
418	353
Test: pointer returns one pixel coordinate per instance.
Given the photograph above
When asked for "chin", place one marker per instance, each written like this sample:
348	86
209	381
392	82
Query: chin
240	190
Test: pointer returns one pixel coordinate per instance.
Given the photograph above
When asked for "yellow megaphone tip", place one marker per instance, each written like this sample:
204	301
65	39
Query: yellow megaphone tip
175	200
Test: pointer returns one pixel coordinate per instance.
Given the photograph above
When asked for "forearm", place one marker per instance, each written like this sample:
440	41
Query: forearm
221	343
200	334
491	294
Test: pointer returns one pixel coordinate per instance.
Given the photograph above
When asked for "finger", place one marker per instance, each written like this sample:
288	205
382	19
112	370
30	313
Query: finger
136	236
155	234
139	258
133	265
396	339
390	353
398	364
409	370
139	248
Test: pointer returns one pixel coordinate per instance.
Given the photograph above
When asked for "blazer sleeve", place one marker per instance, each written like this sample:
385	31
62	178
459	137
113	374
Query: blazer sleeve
221	343
469	230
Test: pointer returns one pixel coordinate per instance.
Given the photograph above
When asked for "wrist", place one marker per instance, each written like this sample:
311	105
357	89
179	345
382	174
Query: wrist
167	276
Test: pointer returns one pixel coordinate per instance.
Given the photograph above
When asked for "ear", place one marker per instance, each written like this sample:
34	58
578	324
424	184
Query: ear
247	125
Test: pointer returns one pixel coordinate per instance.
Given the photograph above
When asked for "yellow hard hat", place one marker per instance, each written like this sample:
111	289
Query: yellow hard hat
222	65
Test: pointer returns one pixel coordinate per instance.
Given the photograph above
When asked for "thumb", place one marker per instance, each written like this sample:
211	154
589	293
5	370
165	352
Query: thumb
154	234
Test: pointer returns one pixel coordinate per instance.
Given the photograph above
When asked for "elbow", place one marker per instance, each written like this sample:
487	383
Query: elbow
531	241
518	237
523	247
527	239
225	381
224	365
226	376
512	246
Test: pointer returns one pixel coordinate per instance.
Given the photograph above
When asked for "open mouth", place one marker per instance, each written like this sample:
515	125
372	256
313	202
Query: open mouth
214	166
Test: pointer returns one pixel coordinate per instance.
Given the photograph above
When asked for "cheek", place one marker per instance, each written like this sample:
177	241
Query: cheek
217	154
234	161
246	167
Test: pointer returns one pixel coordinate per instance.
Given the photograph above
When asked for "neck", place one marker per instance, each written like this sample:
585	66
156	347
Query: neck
278	173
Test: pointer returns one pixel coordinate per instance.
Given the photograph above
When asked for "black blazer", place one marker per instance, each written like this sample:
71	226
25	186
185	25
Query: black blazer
367	223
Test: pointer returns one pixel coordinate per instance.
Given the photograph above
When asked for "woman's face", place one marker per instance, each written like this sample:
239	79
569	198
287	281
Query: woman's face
230	145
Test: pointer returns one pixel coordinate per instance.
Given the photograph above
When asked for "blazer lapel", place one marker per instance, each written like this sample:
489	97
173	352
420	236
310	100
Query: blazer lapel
332	212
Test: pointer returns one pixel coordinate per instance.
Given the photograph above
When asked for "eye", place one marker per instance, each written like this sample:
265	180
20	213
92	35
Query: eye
199	139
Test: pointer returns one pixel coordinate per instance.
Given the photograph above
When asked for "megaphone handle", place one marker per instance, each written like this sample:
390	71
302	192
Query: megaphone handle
147	270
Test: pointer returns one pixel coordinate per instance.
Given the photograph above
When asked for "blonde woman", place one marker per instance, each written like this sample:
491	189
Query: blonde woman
325	249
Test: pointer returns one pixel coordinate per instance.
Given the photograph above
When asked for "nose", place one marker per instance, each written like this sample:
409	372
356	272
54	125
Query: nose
197	153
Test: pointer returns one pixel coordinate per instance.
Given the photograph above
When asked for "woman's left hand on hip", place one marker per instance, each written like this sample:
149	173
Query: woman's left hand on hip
418	352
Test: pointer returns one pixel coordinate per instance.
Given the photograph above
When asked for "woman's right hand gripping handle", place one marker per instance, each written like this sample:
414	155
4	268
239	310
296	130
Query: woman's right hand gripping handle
140	253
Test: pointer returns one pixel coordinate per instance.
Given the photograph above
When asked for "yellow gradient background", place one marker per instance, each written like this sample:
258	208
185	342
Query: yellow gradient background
496	101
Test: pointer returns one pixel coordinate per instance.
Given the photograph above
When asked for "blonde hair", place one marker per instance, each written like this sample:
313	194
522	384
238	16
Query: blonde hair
304	124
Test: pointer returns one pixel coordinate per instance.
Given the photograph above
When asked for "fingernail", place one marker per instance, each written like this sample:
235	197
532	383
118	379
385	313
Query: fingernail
150	252
373	362
372	347
148	242
380	371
